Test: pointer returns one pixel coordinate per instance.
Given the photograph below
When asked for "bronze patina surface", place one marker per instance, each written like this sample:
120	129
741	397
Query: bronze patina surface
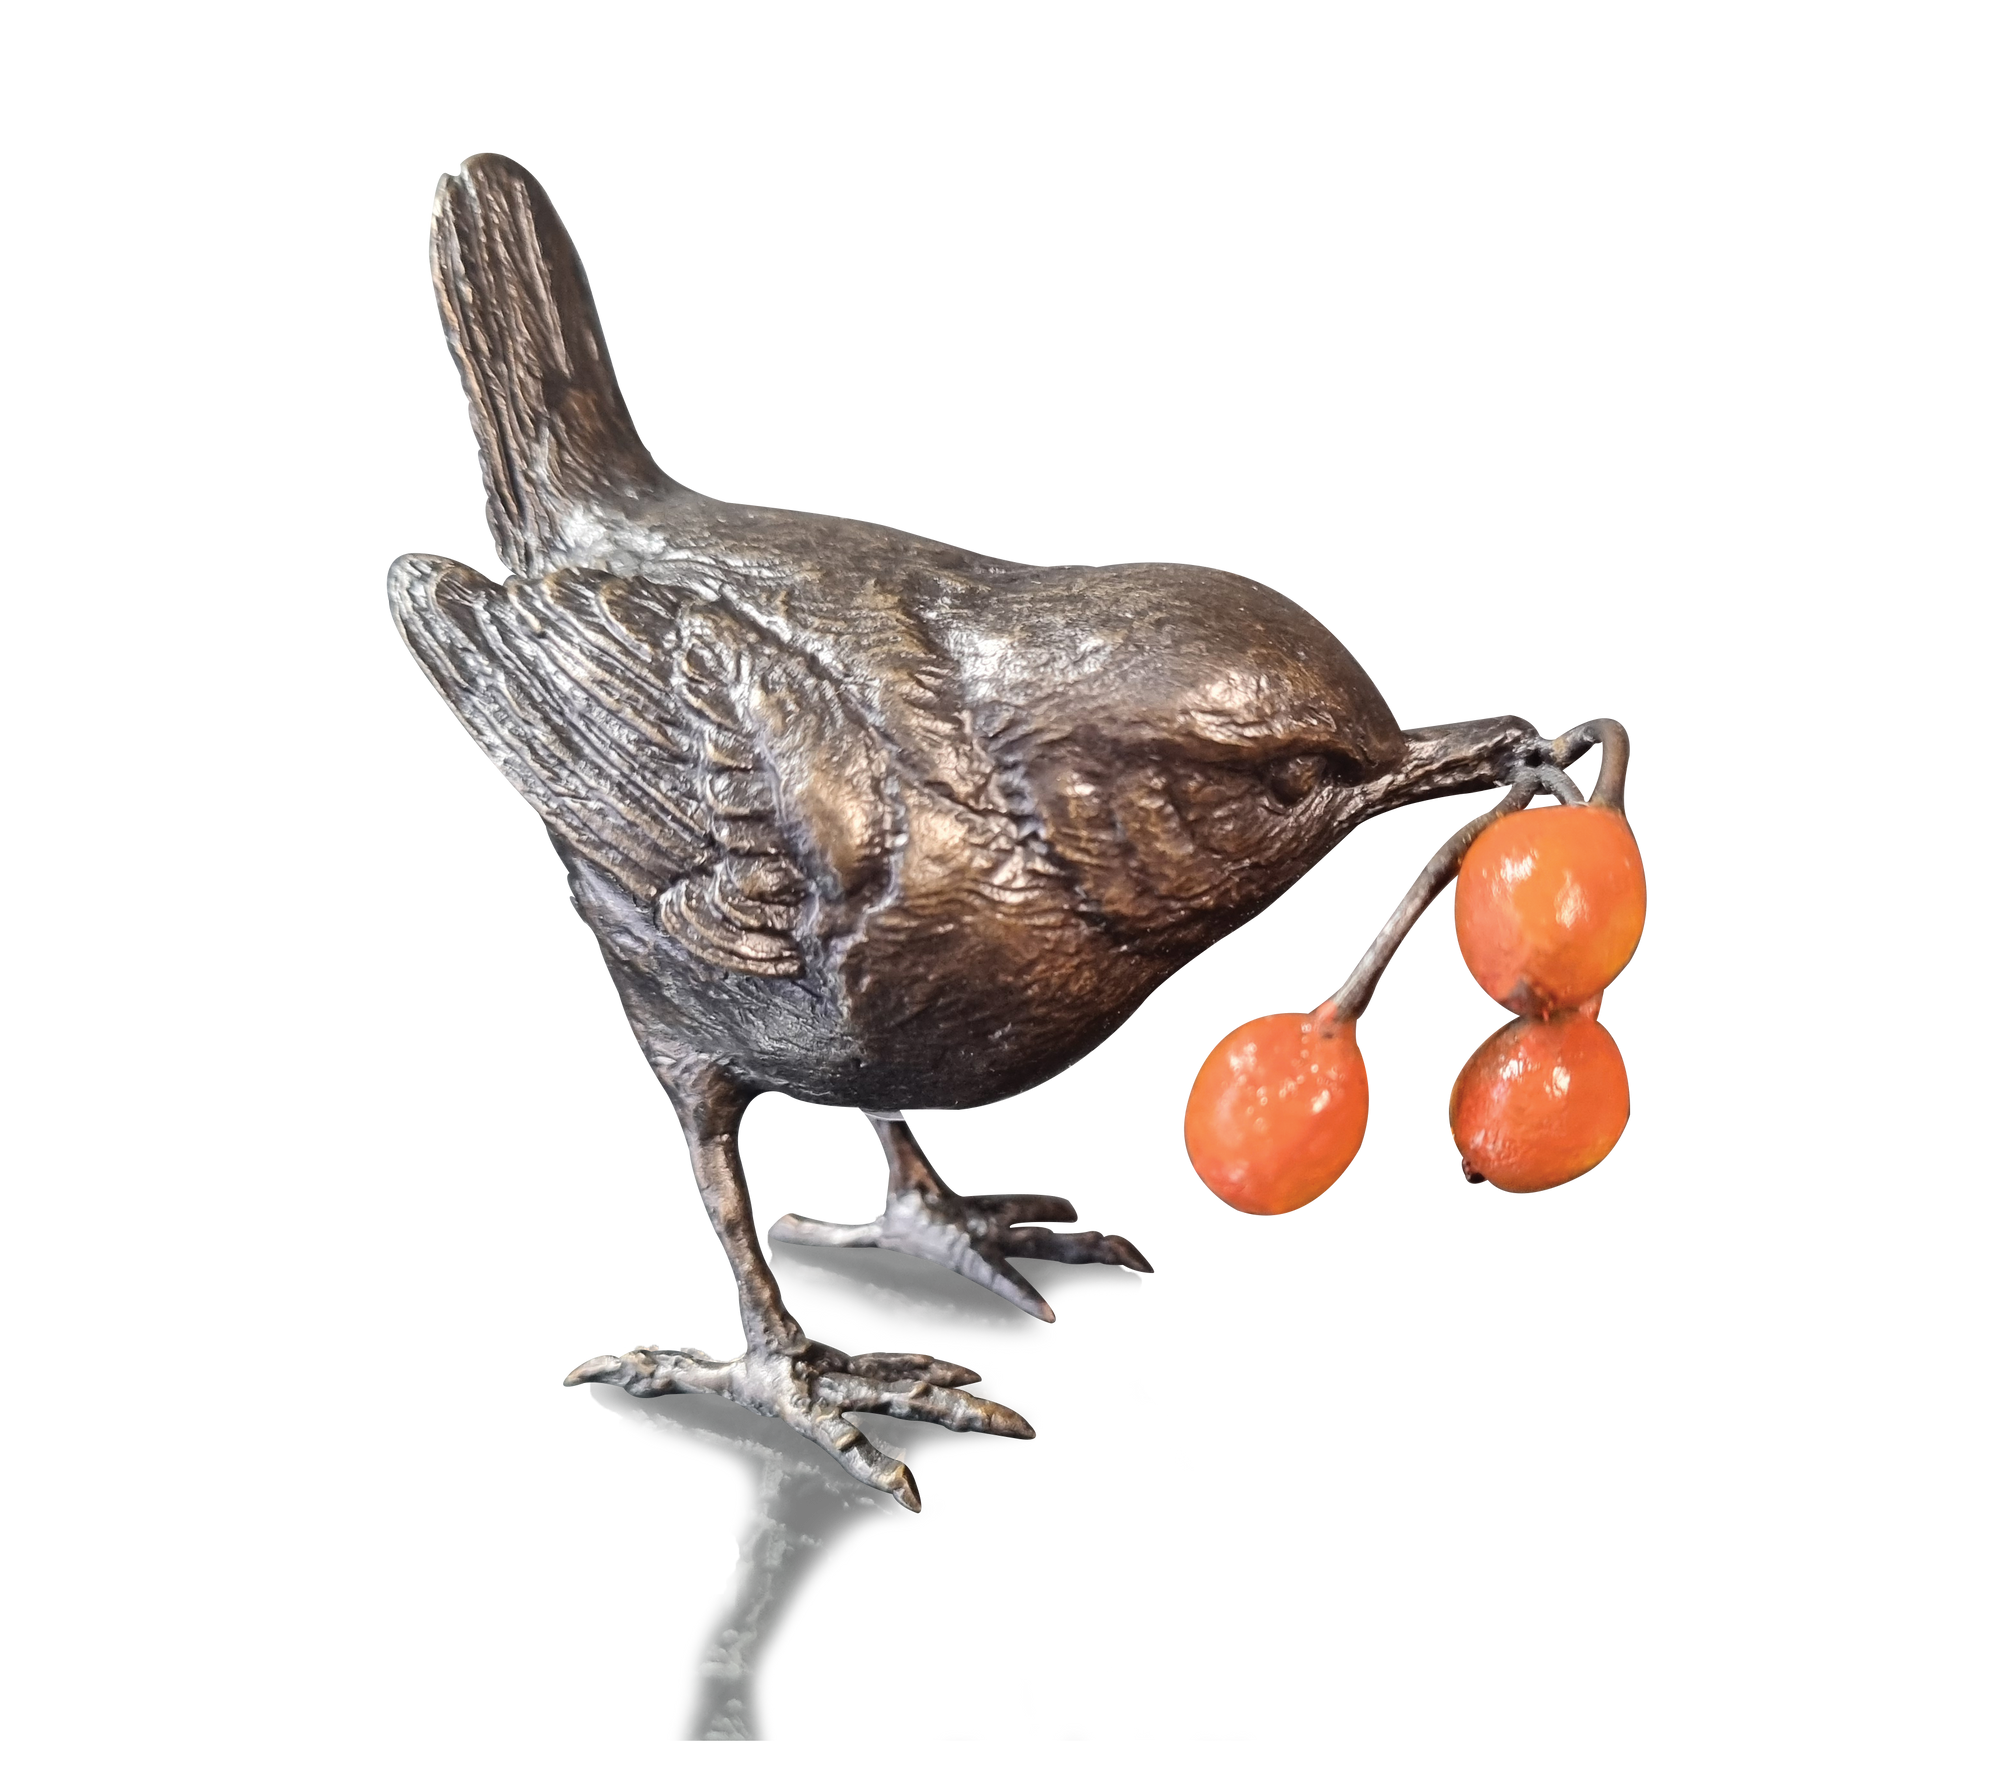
860	817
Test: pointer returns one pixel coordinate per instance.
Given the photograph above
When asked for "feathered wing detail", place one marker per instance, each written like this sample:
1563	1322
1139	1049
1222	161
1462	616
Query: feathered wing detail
555	438
617	711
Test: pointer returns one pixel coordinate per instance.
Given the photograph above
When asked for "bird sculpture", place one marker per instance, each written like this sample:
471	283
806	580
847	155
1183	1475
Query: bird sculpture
859	817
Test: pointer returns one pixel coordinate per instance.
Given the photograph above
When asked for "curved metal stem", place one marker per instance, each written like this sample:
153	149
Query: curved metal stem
1557	784
1350	1001
1572	745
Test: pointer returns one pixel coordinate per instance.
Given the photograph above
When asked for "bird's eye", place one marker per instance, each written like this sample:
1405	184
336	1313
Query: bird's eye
1295	778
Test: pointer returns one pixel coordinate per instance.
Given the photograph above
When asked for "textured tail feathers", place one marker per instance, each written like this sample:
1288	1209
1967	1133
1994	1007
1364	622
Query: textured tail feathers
554	435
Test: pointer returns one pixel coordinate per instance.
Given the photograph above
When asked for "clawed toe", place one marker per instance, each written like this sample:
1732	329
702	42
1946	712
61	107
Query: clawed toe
1076	1249
812	1387
893	1366
944	1230
597	1369
798	1230
974	1236
648	1371
1022	1209
831	1391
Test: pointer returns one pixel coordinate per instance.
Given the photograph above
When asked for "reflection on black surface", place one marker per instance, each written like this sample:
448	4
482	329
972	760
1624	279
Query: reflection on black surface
1079	1573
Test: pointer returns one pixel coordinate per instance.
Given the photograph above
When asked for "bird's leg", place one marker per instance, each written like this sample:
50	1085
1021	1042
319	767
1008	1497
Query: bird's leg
783	1373
975	1236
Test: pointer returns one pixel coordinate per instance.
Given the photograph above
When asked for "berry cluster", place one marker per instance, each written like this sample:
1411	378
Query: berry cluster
1550	905
1549	909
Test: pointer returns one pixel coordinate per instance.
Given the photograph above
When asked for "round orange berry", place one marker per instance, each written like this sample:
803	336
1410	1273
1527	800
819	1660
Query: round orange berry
1541	1101
1277	1111
1550	905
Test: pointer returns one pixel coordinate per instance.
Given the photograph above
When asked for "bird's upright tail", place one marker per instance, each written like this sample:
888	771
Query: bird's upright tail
555	438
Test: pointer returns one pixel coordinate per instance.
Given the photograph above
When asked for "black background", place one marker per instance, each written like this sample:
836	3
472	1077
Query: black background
1455	411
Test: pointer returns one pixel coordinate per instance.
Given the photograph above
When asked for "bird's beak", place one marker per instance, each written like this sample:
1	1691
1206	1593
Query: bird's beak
1469	755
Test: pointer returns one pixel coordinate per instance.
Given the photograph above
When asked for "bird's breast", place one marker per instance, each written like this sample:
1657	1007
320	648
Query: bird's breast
978	974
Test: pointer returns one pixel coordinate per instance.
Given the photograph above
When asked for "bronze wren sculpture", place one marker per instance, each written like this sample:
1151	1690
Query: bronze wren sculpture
860	817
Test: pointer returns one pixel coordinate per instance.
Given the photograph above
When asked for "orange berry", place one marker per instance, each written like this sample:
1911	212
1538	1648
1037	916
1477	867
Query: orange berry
1550	905
1541	1101
1278	1111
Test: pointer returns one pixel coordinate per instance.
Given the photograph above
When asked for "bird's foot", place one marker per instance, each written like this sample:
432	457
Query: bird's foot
812	1387
975	1235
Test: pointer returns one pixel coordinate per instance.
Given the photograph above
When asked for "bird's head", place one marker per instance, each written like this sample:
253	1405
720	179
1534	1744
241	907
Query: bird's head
1188	742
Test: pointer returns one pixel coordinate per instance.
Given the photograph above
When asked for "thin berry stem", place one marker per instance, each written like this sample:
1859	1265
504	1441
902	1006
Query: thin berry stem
1572	745
1350	1001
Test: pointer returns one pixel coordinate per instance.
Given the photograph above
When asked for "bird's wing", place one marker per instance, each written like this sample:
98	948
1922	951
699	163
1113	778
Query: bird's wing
554	435
627	715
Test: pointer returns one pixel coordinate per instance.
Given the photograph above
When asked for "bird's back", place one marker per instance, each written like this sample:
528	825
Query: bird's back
779	798
786	757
